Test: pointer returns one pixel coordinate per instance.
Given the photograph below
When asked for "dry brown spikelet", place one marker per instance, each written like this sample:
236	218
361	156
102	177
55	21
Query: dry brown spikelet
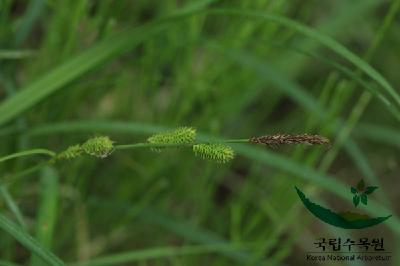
276	140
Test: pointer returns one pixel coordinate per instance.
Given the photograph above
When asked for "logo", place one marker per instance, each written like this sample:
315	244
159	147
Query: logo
348	249
347	219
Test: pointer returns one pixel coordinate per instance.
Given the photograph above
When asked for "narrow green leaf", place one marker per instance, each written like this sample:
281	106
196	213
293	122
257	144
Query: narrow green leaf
32	13
389	136
353	76
70	70
28	241
160	252
7	263
184	229
323	39
16	54
270	74
12	206
27	153
75	67
47	214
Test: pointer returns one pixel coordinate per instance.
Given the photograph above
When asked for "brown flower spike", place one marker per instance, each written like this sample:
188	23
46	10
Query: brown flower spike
274	141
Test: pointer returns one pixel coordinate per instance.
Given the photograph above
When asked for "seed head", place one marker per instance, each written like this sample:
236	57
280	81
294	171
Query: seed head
179	136
101	146
220	153
275	141
70	153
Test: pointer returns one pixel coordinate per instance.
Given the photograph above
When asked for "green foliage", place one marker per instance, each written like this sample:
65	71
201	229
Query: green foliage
47	213
232	69
29	242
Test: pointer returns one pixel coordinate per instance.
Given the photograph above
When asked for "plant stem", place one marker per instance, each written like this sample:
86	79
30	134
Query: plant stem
27	153
119	147
236	141
152	145
148	145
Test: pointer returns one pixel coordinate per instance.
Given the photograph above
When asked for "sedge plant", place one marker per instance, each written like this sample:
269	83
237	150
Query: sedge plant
183	137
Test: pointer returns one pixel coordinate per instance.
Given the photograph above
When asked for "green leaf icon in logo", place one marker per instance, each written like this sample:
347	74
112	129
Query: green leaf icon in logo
364	198
369	190
346	220
356	200
360	193
361	185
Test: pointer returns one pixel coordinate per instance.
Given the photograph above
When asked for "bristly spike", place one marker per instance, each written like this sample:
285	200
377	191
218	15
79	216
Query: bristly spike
70	153
217	152
179	136
282	139
100	146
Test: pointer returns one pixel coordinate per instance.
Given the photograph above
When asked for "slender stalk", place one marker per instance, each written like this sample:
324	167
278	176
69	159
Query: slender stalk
27	153
148	145
152	145
117	147
236	141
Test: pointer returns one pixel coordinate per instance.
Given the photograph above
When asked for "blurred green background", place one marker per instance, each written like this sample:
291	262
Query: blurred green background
232	69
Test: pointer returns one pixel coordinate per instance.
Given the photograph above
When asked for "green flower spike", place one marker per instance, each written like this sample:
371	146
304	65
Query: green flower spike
220	153
70	153
101	146
180	136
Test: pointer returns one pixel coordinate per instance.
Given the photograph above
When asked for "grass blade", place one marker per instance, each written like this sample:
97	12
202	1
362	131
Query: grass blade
184	229
7	263
28	241
321	38
268	73
27	153
72	69
12	206
33	11
125	40
156	253
47	211
386	135
16	54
